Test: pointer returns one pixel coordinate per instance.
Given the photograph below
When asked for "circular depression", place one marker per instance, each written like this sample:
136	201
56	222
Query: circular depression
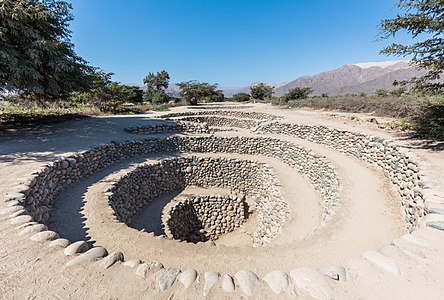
163	250
216	214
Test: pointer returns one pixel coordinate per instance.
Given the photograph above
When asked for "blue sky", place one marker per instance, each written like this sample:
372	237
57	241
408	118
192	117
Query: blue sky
229	42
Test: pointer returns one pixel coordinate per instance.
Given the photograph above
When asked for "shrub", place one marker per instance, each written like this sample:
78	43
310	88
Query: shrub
241	97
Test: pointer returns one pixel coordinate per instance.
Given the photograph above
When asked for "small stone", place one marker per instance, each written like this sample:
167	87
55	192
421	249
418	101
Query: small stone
436	225
111	259
77	247
211	278
310	281
63	243
188	277
92	254
335	272
33	229
64	164
166	278
11	210
43	236
277	280
21	212
381	261
144	268
436	210
132	263
247	281
228	284
21	219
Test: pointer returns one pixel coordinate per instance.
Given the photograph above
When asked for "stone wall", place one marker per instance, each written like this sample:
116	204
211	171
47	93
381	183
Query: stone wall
43	186
218	121
204	217
234	114
220	107
176	126
244	177
397	165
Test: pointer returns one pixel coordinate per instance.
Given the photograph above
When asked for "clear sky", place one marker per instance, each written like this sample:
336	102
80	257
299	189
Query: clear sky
229	42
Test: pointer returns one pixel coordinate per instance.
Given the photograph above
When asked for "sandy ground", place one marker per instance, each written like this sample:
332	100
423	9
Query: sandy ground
367	219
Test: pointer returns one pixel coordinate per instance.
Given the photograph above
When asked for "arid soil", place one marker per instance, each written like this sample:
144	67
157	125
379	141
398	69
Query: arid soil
368	218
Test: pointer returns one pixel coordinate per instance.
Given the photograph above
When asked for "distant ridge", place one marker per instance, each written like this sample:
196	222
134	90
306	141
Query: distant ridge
350	79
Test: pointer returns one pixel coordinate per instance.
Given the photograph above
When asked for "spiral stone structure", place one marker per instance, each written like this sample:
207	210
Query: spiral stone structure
223	202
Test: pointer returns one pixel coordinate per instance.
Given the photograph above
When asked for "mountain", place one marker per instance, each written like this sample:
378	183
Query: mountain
350	79
355	79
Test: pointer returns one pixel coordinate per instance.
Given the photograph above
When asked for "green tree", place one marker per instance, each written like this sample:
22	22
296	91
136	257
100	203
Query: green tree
218	96
156	84
194	92
398	92
261	91
420	18
36	55
241	97
108	95
297	93
381	93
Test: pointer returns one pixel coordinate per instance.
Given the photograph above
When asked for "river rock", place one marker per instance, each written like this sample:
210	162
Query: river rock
62	243
43	236
33	229
277	280
381	261
111	259
311	282
247	281
211	278
166	278
132	263
92	254
76	247
228	284
188	277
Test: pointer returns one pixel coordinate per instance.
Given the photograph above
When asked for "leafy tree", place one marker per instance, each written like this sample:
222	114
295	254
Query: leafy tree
218	96
398	92
420	18
108	95
36	55
261	91
241	97
297	93
381	93
156	84
194	92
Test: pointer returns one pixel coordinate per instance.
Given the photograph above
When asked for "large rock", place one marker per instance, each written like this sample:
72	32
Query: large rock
21	219
381	261
188	277
277	280
311	282
33	229
166	278
77	247
92	254
43	236
436	225
111	259
11	210
147	267
247	281
62	243
228	284
132	263
211	278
